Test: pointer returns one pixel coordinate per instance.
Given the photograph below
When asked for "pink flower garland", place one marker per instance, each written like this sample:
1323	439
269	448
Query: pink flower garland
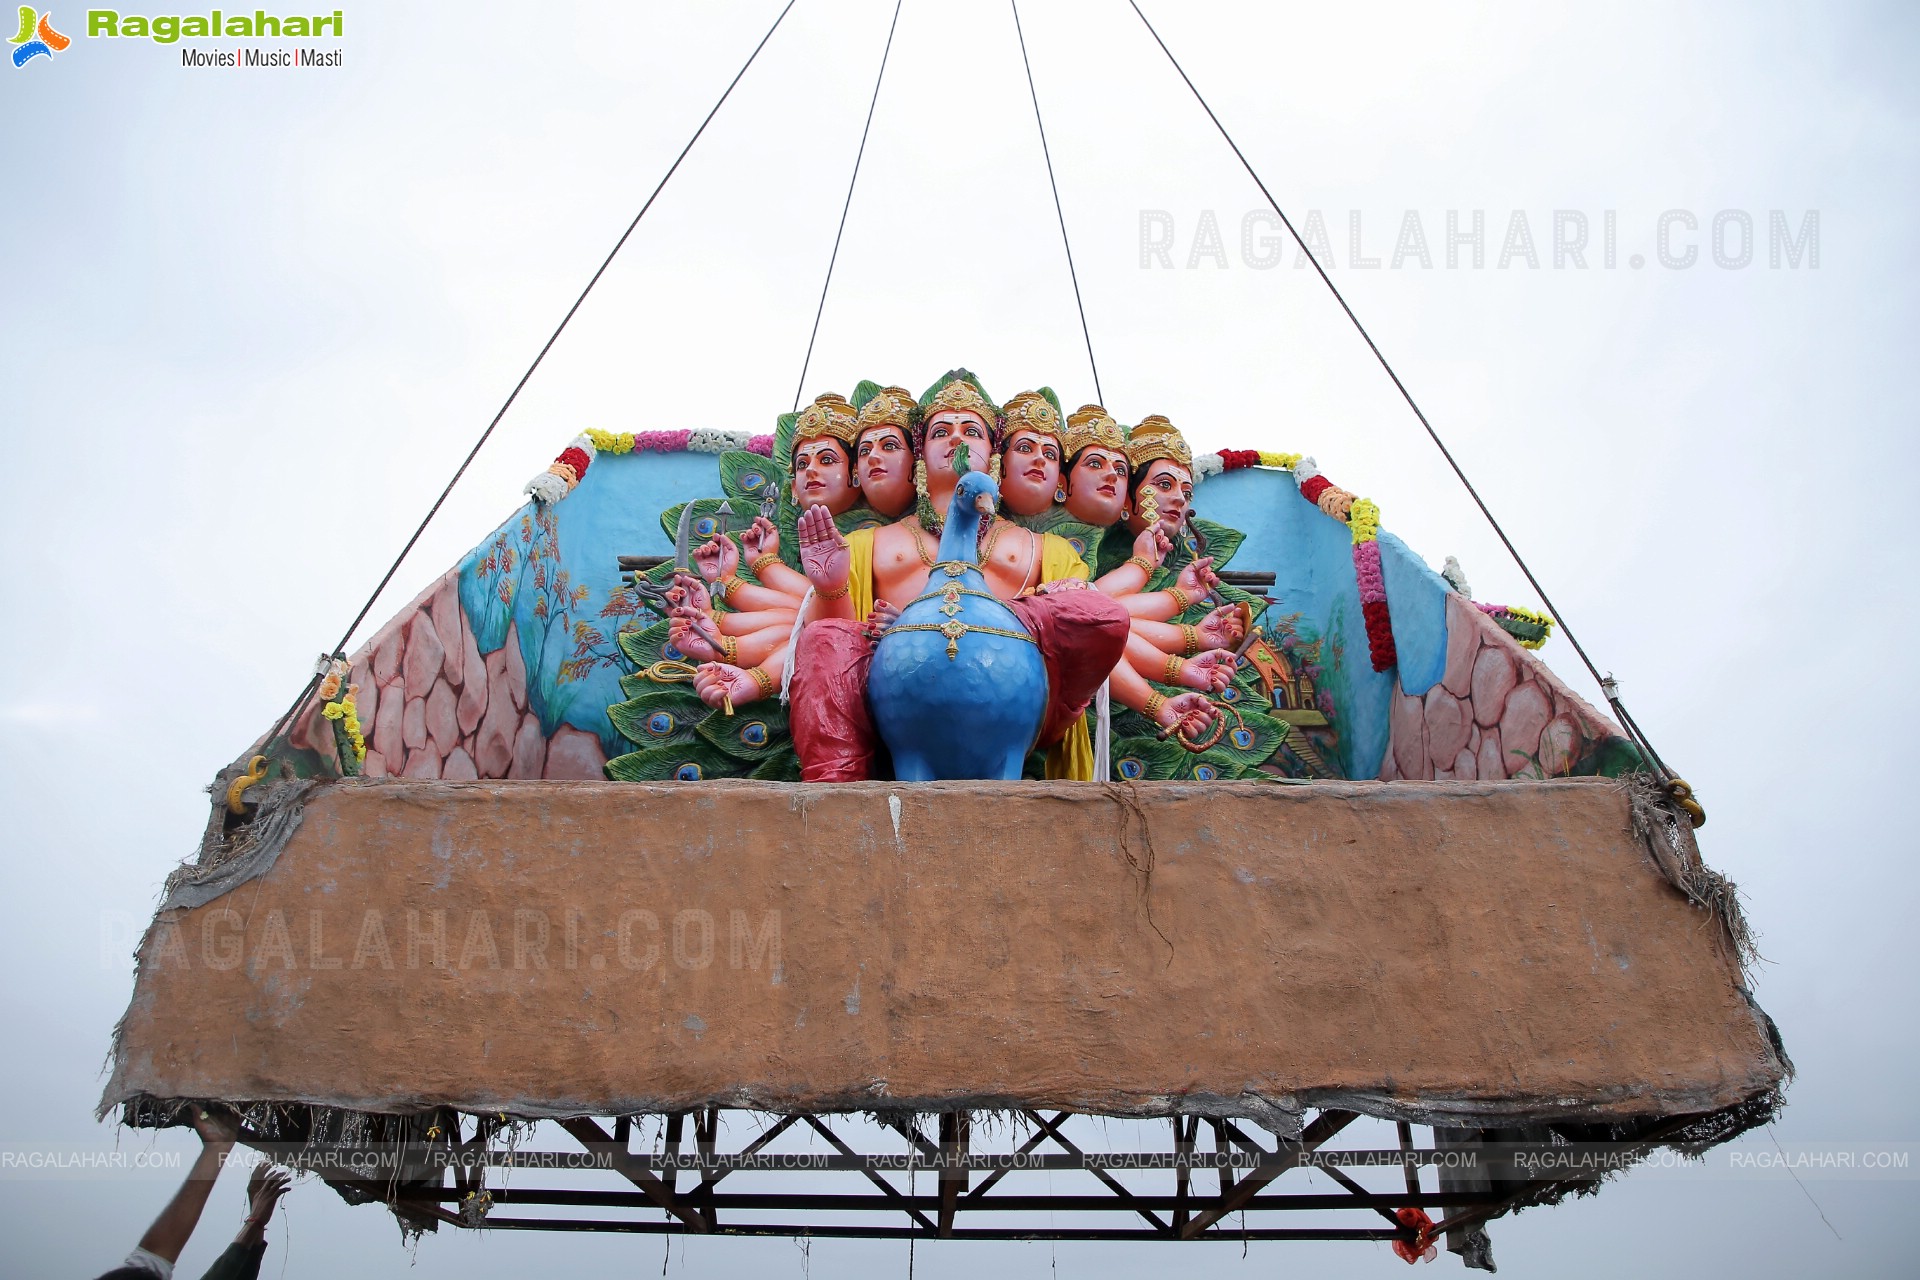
660	441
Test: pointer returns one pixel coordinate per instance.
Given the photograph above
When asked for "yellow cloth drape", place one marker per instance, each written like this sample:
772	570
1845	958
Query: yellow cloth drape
1072	757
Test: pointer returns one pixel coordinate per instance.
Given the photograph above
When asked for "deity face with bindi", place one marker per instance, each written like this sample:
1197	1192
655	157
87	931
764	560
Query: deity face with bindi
1031	454
946	430
1097	486
823	455
823	475
1172	488
883	464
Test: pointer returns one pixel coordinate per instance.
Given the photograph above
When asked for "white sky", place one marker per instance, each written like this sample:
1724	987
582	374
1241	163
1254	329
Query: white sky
251	320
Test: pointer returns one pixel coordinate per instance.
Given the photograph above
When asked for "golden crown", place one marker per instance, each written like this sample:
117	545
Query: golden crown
1155	438
828	415
891	407
1090	426
1031	411
961	395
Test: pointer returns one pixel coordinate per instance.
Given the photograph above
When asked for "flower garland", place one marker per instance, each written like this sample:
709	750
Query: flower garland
1529	629
348	716
564	473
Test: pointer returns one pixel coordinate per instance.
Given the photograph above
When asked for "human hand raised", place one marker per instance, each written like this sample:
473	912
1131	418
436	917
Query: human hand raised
691	593
1152	544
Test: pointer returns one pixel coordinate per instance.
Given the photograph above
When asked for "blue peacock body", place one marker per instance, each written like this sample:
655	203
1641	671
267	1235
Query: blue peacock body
958	686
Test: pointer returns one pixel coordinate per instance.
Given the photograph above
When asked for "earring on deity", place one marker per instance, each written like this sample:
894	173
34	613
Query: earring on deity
993	468
1059	494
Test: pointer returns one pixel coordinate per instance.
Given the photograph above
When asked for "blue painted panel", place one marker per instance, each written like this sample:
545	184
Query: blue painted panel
1417	603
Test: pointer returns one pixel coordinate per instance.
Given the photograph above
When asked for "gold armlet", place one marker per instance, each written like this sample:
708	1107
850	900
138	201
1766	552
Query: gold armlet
729	584
766	684
1189	638
759	567
1155	701
1171	673
838	594
1181	601
1146	566
730	651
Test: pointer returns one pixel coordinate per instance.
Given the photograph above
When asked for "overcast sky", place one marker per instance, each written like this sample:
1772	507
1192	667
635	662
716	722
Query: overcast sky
251	320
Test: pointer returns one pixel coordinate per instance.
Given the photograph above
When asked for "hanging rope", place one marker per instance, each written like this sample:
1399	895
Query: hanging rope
339	649
834	257
1058	211
1607	685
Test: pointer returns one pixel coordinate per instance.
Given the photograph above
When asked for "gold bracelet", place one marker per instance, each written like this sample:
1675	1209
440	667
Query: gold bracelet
1189	638
1146	566
766	683
1170	674
1181	601
729	584
839	594
1155	701
729	651
759	567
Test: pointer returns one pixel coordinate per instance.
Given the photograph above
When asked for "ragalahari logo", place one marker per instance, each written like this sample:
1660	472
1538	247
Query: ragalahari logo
37	37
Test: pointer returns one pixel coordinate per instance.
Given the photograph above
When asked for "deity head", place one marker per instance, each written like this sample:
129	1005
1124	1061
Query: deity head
1163	468
823	455
883	452
955	412
1096	473
1031	456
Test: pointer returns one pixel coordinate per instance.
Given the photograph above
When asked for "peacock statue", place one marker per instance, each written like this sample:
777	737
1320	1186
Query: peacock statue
958	686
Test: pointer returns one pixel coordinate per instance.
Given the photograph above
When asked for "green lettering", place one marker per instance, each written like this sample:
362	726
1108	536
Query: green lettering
166	29
261	22
294	27
239	26
195	26
134	25
103	22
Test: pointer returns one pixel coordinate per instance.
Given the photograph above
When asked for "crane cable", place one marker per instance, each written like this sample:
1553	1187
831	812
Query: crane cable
1073	275
339	649
801	388
1676	787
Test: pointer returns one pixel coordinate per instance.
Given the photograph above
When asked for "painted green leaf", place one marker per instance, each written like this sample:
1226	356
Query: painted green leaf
680	762
706	520
1252	739
783	441
649	645
748	478
1222	542
866	390
857	518
1141	759
755	732
1212	766
665	715
783	766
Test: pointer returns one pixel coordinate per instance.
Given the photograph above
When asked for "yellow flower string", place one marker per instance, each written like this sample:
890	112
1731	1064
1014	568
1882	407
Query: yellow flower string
1364	519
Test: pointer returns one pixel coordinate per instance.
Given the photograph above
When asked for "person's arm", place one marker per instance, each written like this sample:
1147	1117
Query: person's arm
1149	550
241	1261
829	565
169	1233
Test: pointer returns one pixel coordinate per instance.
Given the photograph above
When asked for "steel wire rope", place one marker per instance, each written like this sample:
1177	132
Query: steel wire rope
801	388
1058	211
1608	687
339	649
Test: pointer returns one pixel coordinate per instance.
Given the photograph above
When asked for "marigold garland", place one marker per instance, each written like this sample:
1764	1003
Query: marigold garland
345	712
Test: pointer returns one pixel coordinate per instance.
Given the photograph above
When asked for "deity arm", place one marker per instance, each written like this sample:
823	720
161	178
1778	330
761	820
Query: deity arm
745	624
1221	628
1191	711
1205	672
760	544
720	682
776	576
1149	550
